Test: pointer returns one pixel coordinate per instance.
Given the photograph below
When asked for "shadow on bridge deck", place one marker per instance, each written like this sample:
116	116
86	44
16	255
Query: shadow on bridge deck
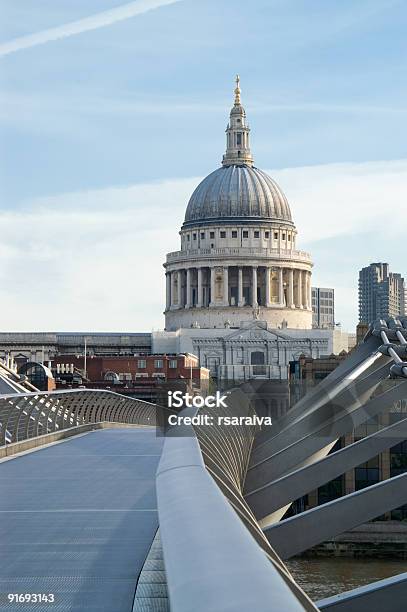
78	518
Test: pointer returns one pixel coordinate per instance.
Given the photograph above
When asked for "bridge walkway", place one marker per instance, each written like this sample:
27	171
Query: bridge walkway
77	519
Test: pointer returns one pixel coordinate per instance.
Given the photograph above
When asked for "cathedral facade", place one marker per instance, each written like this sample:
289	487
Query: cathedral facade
238	259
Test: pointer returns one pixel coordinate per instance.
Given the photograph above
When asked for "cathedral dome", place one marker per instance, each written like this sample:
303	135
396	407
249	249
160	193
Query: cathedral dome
237	193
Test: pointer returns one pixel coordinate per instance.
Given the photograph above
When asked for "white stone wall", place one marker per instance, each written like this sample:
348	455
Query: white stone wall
221	318
221	287
227	352
264	235
181	340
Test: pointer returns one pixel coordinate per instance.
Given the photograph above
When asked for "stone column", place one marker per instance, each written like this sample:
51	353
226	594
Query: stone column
179	288
300	293
173	294
268	287
240	286
306	305
199	301
188	296
168	290
225	286
291	288
254	286
304	289
213	276
309	292
280	287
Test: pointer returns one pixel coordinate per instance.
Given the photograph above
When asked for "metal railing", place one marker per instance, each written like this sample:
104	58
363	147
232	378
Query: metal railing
209	556
215	558
28	415
226	451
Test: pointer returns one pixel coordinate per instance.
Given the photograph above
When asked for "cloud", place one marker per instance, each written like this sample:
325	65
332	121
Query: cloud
348	215
92	260
99	20
313	107
346	198
66	259
23	106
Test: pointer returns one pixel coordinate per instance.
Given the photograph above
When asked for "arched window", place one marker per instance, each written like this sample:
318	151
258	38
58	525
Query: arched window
111	377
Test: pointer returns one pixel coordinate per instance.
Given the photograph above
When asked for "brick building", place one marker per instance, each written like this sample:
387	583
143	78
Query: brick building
139	376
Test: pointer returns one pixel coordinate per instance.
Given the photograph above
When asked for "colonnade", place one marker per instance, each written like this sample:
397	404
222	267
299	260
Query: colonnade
217	286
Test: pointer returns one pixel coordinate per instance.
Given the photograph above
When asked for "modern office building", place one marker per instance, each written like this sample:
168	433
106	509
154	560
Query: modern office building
381	293
323	307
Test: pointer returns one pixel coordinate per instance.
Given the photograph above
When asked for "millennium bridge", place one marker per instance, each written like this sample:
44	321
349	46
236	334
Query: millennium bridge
104	507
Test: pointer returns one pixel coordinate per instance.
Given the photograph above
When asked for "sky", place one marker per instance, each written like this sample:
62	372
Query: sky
112	112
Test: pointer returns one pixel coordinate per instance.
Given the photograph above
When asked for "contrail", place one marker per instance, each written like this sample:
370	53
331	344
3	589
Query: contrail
93	22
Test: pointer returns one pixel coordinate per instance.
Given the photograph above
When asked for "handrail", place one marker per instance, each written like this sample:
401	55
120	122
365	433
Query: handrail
212	562
27	415
226	453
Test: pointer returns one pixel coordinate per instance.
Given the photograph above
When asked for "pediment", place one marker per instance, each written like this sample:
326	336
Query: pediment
257	330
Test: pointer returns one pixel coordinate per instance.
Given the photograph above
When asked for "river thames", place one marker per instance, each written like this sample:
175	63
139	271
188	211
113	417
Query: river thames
321	578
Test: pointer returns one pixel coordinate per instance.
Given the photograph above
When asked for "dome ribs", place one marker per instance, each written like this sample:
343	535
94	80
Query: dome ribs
216	202
238	191
263	193
228	194
244	197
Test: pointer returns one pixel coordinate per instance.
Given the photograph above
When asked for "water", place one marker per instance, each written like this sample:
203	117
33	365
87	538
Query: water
321	578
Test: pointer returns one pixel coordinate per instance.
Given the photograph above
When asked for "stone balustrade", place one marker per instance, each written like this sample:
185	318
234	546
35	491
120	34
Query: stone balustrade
286	254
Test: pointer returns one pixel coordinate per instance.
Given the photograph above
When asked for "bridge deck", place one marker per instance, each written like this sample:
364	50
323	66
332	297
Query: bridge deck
77	519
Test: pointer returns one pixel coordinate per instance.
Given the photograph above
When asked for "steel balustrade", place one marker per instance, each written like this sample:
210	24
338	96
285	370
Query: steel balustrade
212	562
226	452
28	415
